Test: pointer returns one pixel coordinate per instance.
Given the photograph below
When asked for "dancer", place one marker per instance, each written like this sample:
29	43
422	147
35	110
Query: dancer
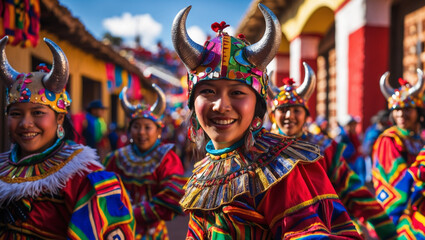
251	184
398	146
151	171
289	113
50	187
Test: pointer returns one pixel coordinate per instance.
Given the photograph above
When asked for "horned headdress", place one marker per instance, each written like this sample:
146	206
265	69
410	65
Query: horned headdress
289	95
142	110
226	57
406	95
45	87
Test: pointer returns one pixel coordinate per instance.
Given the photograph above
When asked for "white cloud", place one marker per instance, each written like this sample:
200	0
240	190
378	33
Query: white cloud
197	34
230	30
128	26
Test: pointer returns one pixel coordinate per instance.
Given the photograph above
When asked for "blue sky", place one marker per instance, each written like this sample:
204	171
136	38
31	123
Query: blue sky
153	18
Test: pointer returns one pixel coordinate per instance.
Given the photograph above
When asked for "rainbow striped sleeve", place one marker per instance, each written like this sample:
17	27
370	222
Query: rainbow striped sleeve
103	211
355	196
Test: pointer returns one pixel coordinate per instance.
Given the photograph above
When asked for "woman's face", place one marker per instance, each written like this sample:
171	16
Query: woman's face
290	120
406	118
144	133
225	110
33	127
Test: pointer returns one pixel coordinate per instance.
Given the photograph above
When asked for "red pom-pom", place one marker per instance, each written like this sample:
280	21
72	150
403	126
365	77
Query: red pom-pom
402	82
219	26
288	81
43	68
241	36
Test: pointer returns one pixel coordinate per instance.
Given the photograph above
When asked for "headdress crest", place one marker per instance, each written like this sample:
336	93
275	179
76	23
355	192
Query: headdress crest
404	96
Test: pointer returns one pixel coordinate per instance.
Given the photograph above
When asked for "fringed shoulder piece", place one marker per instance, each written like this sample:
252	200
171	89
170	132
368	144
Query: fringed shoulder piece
137	166
46	177
217	180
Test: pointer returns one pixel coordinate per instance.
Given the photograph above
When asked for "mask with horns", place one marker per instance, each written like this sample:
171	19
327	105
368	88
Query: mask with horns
406	95
45	87
141	110
288	95
226	57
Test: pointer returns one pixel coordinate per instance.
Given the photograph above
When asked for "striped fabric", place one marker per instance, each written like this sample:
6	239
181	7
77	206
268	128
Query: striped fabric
21	21
357	199
393	153
72	199
279	191
155	185
412	222
102	208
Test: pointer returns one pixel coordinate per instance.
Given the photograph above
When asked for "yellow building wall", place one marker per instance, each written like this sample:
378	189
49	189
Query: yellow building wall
312	16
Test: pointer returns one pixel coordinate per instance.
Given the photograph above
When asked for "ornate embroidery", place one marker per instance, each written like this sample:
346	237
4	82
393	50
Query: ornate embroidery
12	173
46	177
217	180
137	166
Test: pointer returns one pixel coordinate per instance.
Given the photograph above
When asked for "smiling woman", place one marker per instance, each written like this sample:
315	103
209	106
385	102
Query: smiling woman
225	110
151	171
251	184
51	187
395	151
30	126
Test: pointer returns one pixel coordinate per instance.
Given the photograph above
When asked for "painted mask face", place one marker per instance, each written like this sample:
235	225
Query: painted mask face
406	118
33	127
225	110
290	120
144	133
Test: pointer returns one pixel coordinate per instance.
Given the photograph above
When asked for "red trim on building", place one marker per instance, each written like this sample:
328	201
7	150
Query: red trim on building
367	60
341	6
282	68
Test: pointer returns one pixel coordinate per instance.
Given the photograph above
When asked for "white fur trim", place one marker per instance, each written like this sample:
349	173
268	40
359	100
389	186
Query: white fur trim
53	183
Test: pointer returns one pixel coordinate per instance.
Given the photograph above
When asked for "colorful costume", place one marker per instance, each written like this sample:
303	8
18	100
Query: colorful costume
154	182
154	179
66	195
274	190
411	224
358	200
355	196
273	193
62	192
396	149
94	131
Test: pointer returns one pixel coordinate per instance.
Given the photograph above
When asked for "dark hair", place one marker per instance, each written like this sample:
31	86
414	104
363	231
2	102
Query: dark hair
70	132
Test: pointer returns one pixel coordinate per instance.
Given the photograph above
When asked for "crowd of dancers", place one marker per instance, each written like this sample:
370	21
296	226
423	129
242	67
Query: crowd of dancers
248	182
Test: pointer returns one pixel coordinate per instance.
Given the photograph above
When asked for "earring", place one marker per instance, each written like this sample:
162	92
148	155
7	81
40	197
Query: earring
255	125
131	140
194	128
60	132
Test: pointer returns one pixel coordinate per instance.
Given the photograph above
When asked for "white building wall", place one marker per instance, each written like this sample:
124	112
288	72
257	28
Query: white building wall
347	20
